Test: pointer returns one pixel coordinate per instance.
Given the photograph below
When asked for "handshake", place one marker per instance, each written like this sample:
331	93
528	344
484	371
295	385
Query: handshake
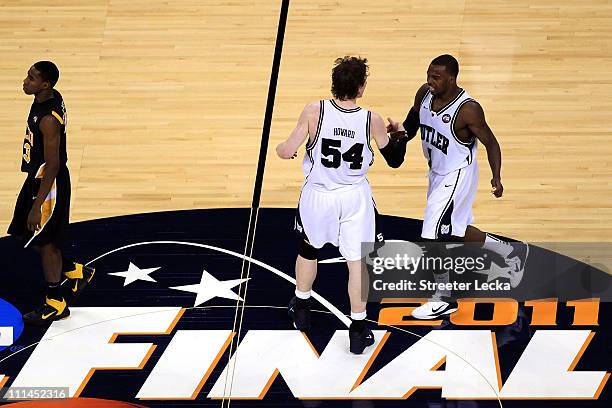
397	132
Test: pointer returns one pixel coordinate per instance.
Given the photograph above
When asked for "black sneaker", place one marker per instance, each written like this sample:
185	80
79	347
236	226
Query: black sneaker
300	315
435	308
516	261
76	280
359	340
50	311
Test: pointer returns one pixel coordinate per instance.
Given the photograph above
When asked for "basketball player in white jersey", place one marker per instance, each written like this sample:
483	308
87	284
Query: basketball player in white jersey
451	124
336	204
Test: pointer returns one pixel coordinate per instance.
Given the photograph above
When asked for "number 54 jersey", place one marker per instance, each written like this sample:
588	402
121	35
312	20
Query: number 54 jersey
339	155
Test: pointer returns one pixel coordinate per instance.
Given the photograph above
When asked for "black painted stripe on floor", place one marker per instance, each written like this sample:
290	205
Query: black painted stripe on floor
261	164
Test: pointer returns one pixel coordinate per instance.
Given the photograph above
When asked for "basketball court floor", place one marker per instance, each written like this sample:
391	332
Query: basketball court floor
187	214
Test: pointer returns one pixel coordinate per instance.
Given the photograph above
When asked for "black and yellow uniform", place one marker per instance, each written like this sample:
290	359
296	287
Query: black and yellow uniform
56	207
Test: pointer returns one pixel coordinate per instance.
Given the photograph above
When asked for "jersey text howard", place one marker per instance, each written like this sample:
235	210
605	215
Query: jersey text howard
344	132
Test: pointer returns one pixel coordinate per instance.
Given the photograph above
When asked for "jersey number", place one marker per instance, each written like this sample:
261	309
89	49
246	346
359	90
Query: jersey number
331	147
27	145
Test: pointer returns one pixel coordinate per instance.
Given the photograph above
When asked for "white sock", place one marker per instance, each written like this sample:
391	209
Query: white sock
496	245
442	278
358	315
303	295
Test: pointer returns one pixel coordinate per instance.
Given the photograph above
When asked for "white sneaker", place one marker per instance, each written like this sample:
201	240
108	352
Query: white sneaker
435	308
516	261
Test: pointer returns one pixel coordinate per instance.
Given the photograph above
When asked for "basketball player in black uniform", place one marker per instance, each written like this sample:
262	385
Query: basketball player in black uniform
43	204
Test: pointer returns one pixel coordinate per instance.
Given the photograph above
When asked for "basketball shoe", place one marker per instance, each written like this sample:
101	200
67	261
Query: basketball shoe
76	280
299	313
50	311
435	307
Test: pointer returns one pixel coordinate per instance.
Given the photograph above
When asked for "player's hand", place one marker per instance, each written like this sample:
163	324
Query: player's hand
394	126
294	155
497	189
34	219
398	135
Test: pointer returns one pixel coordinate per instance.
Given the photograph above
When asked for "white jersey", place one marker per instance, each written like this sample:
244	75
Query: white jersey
441	147
340	154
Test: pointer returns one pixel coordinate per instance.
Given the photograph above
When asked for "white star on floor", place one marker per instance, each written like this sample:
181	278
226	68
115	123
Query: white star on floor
210	287
495	272
134	274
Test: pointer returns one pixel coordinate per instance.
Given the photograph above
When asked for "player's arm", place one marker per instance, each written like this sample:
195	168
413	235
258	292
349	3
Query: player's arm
50	128
473	116
288	148
411	124
392	148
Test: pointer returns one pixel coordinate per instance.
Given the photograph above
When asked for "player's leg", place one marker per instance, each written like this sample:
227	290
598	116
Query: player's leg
473	234
305	268
75	275
358	295
48	242
305	274
437	230
451	226
442	302
514	253
358	225
55	306
360	336
51	260
316	223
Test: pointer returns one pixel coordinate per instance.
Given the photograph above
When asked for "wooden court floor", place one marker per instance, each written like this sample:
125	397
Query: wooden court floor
166	100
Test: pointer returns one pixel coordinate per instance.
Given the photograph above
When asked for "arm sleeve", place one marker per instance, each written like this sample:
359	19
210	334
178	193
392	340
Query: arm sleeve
394	152
412	123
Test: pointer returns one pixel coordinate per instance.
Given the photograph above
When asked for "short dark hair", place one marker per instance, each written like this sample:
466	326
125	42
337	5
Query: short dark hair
48	71
449	62
348	74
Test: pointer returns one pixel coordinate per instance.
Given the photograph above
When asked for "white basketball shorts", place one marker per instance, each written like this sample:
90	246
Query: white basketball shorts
449	203
344	218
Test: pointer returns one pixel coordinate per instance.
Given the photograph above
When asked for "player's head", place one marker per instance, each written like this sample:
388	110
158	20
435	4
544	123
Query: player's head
442	74
349	77
41	76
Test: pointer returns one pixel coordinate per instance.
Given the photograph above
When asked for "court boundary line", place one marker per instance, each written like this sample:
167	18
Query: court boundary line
253	216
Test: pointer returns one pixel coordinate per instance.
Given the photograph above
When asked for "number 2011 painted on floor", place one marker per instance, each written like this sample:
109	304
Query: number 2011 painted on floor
505	312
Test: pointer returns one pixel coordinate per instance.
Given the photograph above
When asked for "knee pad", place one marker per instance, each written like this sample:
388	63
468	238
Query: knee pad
307	251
